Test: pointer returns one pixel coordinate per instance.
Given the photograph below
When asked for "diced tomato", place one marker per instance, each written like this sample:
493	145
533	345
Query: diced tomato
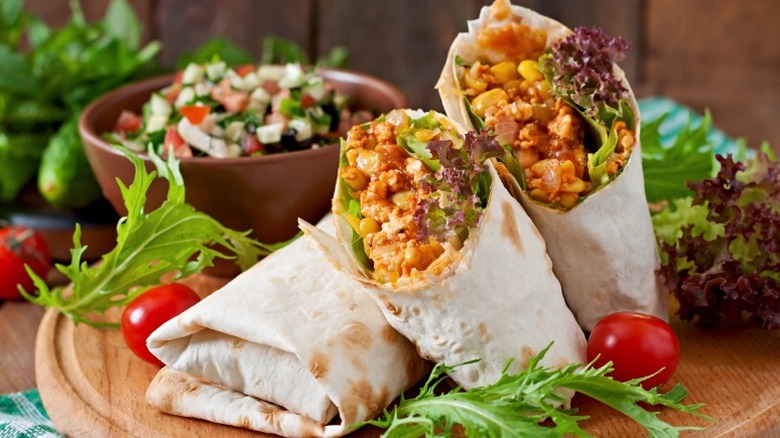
128	121
174	140
233	101
195	113
179	78
251	145
307	101
271	87
172	93
245	70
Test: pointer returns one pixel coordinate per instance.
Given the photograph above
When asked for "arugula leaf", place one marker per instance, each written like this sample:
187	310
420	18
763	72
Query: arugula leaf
223	48
122	23
173	238
517	405
667	168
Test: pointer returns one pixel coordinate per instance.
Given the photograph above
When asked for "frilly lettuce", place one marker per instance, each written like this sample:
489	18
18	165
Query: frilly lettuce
174	238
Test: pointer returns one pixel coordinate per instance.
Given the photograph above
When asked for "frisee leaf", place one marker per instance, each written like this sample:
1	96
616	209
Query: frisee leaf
517	405
668	167
174	238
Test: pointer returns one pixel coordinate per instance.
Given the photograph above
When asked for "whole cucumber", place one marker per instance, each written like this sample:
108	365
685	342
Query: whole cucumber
65	178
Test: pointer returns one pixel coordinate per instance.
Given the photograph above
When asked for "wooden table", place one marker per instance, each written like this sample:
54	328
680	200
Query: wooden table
18	325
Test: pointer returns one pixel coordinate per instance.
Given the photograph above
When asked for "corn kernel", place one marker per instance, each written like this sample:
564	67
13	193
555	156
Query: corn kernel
576	186
504	71
368	226
368	161
543	89
488	99
353	222
401	199
529	69
354	178
568	200
475	83
538	194
567	166
425	135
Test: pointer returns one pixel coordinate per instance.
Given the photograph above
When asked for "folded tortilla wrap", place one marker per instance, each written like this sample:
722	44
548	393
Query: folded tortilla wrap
283	348
596	223
491	293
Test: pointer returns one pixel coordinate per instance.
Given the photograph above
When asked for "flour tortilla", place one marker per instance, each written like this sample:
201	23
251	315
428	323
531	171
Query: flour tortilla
603	250
283	349
497	299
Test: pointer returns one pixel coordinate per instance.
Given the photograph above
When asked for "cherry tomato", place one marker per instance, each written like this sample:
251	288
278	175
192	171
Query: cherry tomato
195	113
18	247
637	344
150	310
128	121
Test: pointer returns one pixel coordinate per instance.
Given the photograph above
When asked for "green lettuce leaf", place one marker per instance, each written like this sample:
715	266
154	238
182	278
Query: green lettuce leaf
174	238
518	405
667	168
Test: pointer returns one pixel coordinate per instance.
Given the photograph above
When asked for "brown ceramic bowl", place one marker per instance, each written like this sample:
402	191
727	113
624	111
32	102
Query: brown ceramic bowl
266	194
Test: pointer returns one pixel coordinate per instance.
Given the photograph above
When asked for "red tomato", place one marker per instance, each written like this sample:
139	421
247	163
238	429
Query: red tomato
173	140
251	145
150	310
307	101
128	121
245	70
637	344
195	113
18	247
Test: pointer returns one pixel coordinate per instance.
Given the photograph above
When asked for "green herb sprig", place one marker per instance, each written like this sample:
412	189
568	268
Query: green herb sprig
518	405
174	238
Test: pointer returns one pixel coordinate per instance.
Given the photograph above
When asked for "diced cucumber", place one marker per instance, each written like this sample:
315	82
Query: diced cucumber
160	106
259	100
293	76
270	134
215	70
156	122
186	96
315	87
270	72
302	128
192	74
234	131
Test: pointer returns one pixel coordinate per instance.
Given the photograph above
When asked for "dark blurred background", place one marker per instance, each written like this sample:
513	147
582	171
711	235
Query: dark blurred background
722	55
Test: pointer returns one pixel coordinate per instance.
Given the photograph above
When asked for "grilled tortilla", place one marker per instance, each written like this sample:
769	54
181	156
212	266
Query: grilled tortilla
587	200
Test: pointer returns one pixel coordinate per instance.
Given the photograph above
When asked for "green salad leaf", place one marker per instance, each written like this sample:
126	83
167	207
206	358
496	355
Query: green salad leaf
668	167
174	238
518	405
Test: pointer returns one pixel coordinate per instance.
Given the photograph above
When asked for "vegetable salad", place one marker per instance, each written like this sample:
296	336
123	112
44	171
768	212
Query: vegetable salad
214	110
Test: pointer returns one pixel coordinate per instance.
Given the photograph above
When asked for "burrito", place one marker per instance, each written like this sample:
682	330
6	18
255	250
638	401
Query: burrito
291	347
451	258
556	99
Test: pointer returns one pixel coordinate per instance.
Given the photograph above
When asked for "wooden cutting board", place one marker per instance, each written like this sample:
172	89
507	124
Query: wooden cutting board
93	386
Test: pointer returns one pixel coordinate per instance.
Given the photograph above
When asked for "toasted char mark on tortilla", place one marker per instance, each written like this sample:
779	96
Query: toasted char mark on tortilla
509	226
273	416
352	307
390	335
484	335
237	343
342	294
316	314
319	365
395	311
357	335
526	353
245	422
358	363
361	394
415	368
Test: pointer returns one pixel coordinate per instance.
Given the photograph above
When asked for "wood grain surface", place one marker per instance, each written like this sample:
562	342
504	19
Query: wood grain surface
92	385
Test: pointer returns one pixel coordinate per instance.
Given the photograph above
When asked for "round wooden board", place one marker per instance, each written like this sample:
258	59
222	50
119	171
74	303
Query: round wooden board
93	386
